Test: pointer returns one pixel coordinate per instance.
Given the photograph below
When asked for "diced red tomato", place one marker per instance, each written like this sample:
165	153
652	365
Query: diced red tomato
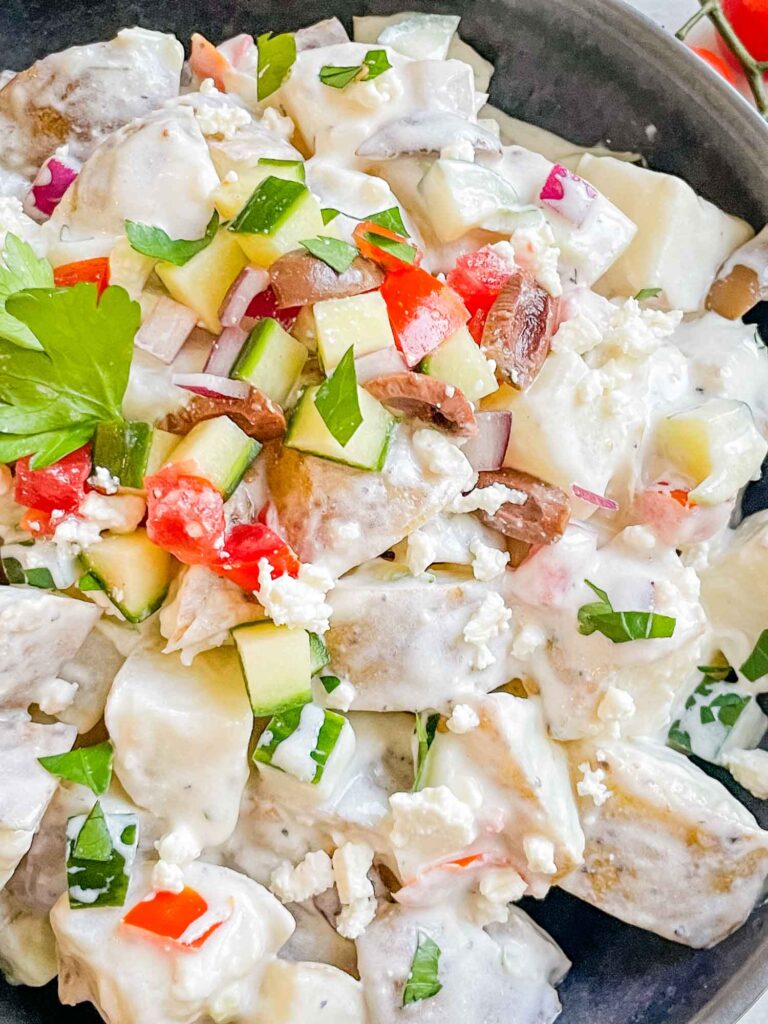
185	515
717	62
371	251
59	486
749	19
265	304
94	271
208	62
37	523
478	277
422	311
476	324
245	546
170	914
680	496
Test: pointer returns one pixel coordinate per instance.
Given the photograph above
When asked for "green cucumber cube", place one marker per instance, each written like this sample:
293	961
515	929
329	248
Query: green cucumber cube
459	361
231	196
218	451
271	360
361	321
318	653
277	216
366	449
312	744
277	665
100	853
288	168
134	573
131	450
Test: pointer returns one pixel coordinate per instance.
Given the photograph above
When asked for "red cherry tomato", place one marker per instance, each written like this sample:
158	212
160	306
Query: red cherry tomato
478	277
58	486
245	546
94	271
265	304
749	19
170	914
717	62
422	311
185	515
367	245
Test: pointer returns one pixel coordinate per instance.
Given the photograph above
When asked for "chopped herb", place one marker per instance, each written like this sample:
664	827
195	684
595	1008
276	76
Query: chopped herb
374	63
423	980
88	582
328	214
425	735
56	397
756	665
337	254
729	707
706	714
20	268
89	766
678	738
400	250
377	62
12	571
391	219
40	577
93	840
128	835
337	401
647	293
621	627
330	683
155	242
277	55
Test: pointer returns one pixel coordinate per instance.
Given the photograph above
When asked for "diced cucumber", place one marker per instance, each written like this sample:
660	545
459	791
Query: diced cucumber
366	449
231	196
277	665
459	196
271	360
313	745
101	879
359	320
218	451
131	450
459	361
134	573
203	281
717	717
275	219
318	652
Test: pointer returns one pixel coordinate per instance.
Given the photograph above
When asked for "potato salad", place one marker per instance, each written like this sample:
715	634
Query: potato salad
372	556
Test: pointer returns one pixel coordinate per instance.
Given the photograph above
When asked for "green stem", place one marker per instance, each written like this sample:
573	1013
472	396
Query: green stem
694	19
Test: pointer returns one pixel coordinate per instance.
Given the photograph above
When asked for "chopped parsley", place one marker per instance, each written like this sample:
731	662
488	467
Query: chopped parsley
621	627
337	401
423	981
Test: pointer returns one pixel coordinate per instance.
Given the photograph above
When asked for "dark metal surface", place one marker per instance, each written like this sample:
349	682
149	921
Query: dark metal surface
589	70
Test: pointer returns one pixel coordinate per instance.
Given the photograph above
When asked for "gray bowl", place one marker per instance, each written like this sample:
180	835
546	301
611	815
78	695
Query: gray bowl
590	70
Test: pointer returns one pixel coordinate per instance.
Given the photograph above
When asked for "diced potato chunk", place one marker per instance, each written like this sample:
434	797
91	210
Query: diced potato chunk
359	320
204	280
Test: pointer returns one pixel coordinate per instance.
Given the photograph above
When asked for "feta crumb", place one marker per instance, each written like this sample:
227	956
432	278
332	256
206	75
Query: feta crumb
529	638
299	601
167	877
341	698
355	918
429	825
498	888
207	87
487	562
591	784
120	513
487	499
616	706
231	177
463	719
309	878
579	335
536	251
420	552
438	456
488	621
540	854
639	538
351	864
460	150
278	124
178	847
750	769
224	122
103	480
73	534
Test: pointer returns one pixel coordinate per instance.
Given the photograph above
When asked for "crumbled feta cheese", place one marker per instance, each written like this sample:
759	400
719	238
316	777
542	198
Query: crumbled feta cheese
430	825
222	121
616	706
381	92
529	638
461	150
420	552
73	534
536	251
207	87
639	538
178	847
579	335
591	784
341	698
298	601
277	124
351	864
167	877
355	918
540	854
231	177
463	719
636	331
103	480
750	769
294	753
344	531
488	621
487	562
487	499
120	513
438	456
498	888
309	878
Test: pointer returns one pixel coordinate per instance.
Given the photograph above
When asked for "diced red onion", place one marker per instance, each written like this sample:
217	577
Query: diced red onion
52	181
265	304
225	351
595	499
211	386
246	286
567	194
486	450
383	363
165	330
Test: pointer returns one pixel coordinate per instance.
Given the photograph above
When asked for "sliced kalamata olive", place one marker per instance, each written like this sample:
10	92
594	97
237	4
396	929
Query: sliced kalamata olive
300	279
425	398
426	132
519	329
257	415
540	519
735	294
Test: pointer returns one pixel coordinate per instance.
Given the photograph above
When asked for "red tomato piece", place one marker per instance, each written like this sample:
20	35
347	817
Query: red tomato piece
185	515
245	546
476	324
422	311
37	523
59	486
749	19
368	248
94	271
265	304
170	914
717	62
478	277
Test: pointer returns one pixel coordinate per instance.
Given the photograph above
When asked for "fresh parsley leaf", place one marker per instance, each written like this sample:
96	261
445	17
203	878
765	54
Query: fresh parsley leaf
154	242
337	254
425	735
756	665
729	707
40	577
330	683
90	766
277	55
337	402
621	627
13	573
391	219
678	738
400	250
423	980
20	268
55	397
93	840
328	214
647	293
338	77
377	62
